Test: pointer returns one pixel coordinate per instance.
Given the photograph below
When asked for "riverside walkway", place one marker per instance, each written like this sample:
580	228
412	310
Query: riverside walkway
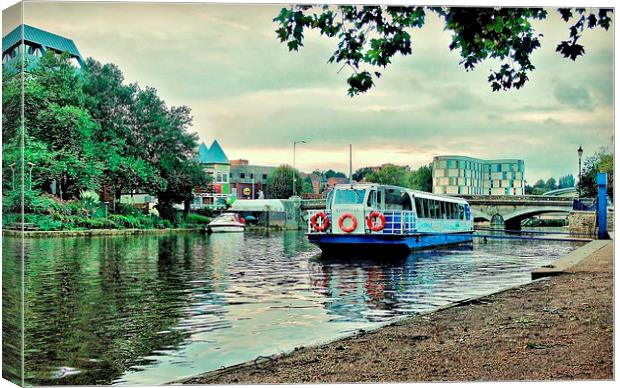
558	328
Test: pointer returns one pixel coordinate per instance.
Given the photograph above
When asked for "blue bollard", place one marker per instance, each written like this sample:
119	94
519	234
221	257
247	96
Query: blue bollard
601	181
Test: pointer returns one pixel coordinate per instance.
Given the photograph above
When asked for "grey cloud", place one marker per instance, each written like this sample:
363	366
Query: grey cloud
249	92
574	96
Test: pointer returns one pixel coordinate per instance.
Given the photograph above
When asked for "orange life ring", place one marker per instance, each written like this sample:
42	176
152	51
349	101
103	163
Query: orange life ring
353	223
370	221
324	224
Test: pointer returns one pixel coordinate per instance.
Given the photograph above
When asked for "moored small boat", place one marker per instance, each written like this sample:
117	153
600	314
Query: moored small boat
378	219
226	223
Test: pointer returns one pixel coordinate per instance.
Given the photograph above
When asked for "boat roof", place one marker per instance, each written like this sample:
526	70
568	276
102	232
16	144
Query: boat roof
416	193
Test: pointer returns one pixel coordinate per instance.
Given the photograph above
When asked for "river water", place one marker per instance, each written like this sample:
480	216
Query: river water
152	309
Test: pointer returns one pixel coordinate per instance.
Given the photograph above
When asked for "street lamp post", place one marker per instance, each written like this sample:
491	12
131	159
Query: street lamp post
30	165
579	153
295	175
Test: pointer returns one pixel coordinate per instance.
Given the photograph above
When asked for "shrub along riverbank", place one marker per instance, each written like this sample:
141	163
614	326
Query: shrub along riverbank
49	213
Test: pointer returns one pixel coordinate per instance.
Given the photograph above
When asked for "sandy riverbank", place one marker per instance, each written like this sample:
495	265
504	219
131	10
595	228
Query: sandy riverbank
557	328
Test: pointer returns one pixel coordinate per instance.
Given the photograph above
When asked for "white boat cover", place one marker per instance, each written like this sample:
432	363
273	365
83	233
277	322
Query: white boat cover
257	205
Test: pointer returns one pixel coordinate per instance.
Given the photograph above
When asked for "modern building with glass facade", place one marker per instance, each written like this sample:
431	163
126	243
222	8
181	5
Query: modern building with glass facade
453	174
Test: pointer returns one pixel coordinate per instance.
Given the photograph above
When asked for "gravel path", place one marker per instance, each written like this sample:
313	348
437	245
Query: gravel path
557	328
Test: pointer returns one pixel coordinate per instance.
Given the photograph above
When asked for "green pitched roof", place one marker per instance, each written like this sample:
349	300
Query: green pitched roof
203	152
41	37
216	154
211	155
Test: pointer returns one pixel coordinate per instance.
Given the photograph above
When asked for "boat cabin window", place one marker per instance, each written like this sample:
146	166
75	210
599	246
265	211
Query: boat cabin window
349	196
372	199
394	199
419	207
430	208
460	212
405	200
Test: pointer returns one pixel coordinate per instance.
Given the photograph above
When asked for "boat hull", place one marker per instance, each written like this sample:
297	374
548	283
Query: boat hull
225	229
343	245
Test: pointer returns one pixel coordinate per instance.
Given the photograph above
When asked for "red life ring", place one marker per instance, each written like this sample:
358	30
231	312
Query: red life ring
370	221
353	223
324	224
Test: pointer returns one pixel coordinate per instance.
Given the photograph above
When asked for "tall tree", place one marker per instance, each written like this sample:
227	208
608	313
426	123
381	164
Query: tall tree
334	174
389	175
370	36
601	161
422	178
551	184
360	173
280	182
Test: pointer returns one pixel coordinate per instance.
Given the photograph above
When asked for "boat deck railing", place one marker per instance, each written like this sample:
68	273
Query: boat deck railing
397	222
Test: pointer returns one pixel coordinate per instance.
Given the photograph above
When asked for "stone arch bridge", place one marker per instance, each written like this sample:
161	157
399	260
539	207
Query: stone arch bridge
509	211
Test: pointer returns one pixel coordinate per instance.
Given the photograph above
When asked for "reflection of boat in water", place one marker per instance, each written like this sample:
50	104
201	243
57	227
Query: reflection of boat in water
226	223
373	218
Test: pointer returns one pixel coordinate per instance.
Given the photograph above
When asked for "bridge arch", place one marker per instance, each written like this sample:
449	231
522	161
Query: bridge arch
478	215
513	220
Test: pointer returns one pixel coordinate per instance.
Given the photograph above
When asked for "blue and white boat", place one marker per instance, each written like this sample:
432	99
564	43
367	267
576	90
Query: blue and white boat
374	218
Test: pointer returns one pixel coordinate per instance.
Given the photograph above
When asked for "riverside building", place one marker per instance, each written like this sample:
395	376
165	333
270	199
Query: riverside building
453	174
36	42
249	181
216	164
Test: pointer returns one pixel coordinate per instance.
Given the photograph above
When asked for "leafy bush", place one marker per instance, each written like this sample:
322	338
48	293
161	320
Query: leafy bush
193	218
43	222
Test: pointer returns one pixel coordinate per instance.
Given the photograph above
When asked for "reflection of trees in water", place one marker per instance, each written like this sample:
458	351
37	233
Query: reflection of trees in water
101	305
11	309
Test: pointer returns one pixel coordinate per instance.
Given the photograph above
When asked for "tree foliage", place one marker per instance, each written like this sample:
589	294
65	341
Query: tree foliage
370	36
566	181
422	178
389	175
601	161
280	182
87	130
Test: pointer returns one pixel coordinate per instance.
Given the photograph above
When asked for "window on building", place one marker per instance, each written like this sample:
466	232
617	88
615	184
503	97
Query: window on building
242	175
264	177
251	176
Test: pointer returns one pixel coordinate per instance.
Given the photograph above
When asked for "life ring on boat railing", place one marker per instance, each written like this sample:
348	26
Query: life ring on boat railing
347	229
372	225
322	227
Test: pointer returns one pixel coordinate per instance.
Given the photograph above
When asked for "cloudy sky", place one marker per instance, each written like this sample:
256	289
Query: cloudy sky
247	91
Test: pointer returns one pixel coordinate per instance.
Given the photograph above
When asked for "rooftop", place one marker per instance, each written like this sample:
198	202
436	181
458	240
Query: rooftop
39	37
212	155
